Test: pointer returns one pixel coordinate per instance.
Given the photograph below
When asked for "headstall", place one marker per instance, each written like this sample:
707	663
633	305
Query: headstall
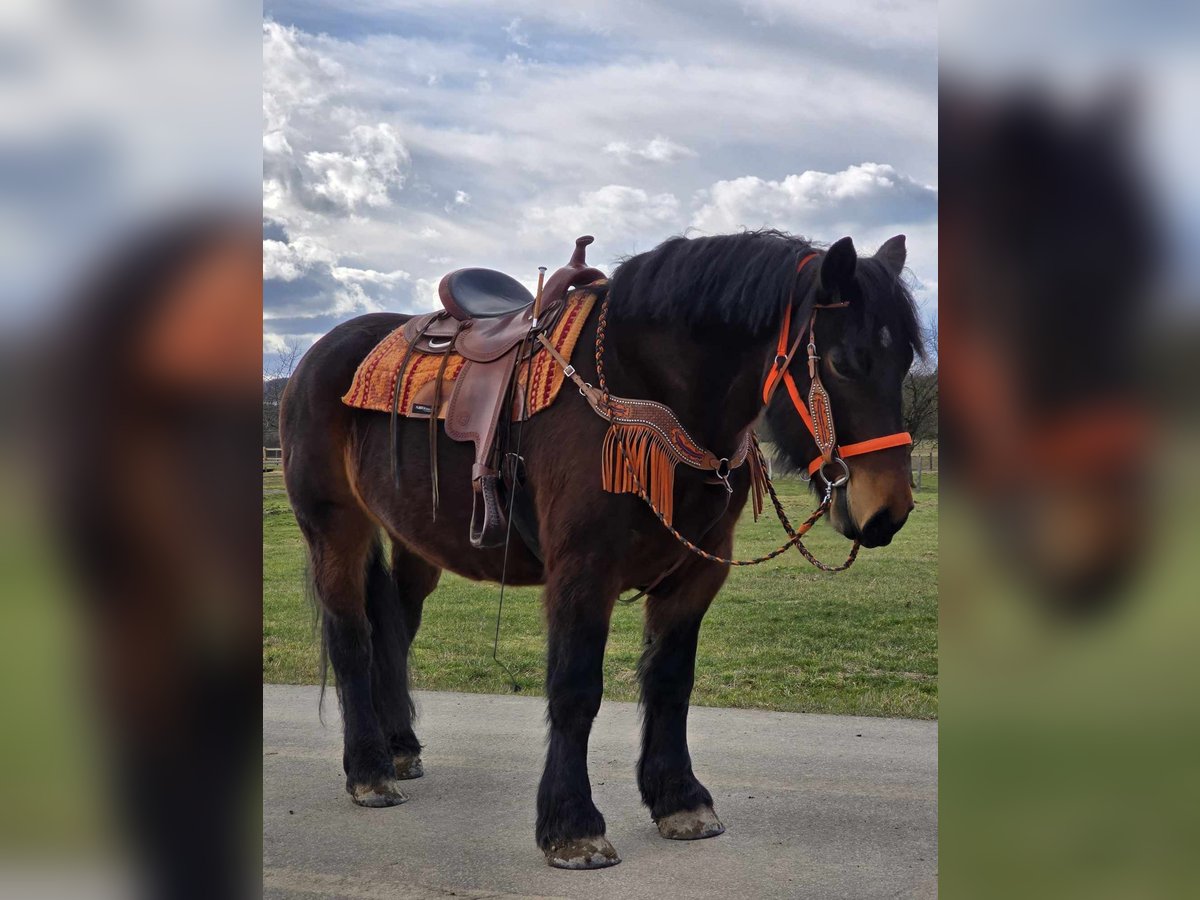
816	413
645	440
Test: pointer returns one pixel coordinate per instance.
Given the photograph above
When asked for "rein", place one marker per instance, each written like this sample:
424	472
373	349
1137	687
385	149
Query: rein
597	399
643	421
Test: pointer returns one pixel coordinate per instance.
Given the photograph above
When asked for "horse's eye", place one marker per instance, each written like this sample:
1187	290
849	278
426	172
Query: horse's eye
850	364
839	363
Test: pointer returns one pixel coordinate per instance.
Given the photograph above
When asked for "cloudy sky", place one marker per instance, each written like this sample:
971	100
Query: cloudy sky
405	138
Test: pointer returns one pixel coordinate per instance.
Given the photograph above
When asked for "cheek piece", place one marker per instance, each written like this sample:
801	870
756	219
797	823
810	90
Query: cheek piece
816	412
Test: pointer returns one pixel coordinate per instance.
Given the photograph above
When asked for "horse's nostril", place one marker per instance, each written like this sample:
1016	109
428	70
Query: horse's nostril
880	529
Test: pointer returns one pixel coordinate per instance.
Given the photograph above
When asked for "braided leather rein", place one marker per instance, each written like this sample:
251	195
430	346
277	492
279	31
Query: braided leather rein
795	535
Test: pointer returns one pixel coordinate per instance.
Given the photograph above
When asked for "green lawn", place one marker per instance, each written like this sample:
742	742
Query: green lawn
779	636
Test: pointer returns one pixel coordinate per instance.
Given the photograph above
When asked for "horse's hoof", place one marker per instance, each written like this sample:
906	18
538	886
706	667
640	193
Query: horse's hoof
408	767
380	794
690	824
584	853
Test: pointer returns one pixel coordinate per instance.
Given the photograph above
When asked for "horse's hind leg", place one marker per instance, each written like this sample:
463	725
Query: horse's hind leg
681	806
394	607
346	560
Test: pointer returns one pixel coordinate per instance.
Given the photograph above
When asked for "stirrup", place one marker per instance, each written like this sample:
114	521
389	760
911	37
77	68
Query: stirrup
488	525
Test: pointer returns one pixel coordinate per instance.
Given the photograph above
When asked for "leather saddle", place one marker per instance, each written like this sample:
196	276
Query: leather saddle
482	294
490	319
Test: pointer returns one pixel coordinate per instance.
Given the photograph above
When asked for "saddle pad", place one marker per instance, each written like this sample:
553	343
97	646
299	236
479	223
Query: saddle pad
374	382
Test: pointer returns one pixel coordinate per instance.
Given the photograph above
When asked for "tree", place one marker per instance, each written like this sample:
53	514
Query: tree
275	379
920	391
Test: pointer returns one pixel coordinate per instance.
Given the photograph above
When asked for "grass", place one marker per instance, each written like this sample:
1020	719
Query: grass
779	636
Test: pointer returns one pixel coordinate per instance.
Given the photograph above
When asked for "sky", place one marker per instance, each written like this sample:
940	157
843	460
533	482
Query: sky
406	138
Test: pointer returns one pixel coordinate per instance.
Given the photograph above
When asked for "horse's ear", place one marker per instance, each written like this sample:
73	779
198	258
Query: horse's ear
893	254
838	265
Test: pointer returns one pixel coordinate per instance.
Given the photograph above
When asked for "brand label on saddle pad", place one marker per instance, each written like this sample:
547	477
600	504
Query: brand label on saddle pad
374	382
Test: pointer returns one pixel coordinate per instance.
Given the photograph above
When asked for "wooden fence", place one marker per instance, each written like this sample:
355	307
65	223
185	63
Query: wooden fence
924	462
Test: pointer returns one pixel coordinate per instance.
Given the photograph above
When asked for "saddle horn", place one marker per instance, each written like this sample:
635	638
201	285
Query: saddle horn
578	258
576	273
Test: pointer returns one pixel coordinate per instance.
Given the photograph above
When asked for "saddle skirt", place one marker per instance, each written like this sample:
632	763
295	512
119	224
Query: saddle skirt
374	383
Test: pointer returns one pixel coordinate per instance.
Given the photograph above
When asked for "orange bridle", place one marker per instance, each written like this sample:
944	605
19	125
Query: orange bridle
816	413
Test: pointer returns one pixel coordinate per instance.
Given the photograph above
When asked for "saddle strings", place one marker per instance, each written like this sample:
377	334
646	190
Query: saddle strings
433	418
408	352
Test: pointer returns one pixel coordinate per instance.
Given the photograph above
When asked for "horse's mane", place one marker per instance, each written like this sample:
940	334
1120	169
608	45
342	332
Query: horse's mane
731	280
741	281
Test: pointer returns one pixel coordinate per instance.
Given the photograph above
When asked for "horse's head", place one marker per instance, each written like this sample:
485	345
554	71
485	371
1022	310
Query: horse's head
862	321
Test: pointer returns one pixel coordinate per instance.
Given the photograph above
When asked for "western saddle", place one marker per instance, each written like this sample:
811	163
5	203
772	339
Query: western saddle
490	319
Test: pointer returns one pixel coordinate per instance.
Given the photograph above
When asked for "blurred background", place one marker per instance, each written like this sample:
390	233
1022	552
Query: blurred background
1070	207
130	321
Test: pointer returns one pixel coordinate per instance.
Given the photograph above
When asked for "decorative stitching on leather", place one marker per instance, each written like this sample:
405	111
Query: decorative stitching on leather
374	383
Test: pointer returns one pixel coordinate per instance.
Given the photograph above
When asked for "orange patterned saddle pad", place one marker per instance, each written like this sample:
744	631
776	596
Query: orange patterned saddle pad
374	382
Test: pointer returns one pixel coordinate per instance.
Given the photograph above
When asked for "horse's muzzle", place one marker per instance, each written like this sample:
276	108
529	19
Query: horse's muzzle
881	528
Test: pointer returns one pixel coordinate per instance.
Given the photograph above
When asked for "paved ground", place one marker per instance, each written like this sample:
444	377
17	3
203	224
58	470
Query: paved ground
815	806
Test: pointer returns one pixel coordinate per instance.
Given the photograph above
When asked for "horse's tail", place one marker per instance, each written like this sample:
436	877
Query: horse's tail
318	624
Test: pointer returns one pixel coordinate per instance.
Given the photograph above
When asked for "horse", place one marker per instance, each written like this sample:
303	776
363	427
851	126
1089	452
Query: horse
694	324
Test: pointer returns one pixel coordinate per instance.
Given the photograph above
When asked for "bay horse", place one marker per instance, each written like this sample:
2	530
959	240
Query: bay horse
692	324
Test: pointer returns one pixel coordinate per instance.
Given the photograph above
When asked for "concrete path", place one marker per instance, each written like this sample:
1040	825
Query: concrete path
815	806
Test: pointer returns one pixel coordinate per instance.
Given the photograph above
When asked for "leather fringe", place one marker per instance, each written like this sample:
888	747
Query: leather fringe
634	456
758	480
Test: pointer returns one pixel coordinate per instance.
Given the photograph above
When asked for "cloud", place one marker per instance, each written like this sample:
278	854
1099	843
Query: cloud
364	176
275	344
318	156
515	34
285	261
351	275
811	202
614	208
658	150
398	145
295	76
304	280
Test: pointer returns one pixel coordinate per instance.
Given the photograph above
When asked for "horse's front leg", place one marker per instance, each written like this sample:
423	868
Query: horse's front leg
579	601
681	806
